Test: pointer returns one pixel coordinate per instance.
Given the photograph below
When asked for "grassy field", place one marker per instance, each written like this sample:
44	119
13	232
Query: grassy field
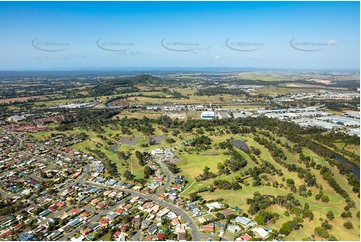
351	148
193	164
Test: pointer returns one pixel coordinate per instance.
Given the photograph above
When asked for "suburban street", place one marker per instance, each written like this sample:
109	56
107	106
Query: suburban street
195	231
168	173
68	236
196	235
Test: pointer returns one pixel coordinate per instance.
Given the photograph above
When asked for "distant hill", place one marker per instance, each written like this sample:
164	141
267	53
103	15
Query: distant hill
125	84
138	79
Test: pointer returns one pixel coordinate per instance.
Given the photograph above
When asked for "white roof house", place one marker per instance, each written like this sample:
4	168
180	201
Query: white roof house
157	152
214	205
260	232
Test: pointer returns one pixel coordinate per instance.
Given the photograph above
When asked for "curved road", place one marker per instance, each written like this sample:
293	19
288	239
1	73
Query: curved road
168	173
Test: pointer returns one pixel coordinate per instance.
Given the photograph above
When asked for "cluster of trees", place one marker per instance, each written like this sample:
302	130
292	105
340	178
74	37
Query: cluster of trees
226	185
87	119
173	168
128	175
291	225
236	162
143	125
212	91
303	173
328	175
324	198
236	129
265	168
261	202
7	208
148	172
205	175
306	142
273	149
351	178
174	93
201	142
142	157
348	225
264	217
323	233
122	155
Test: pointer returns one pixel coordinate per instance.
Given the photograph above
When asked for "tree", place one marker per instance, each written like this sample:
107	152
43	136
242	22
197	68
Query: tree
290	181
308	214
122	155
348	225
173	168
306	206
326	225
170	140
206	174
321	232
148	172
325	198
346	214
194	196
141	157
330	215
256	151
128	175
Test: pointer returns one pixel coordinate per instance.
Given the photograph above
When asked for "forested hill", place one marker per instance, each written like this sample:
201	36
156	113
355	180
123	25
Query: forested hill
125	84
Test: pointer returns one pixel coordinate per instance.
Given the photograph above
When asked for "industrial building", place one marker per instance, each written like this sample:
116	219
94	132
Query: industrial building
208	115
15	118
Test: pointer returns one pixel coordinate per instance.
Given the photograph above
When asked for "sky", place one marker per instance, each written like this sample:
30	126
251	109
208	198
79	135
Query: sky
78	35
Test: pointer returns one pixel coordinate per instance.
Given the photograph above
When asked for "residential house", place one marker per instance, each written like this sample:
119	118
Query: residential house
233	228
152	229
209	227
260	233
